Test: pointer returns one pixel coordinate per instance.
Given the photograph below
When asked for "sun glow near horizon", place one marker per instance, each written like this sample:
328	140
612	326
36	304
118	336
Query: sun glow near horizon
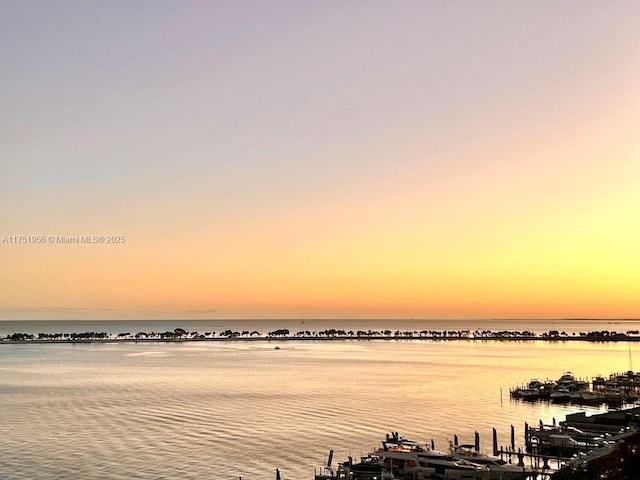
325	161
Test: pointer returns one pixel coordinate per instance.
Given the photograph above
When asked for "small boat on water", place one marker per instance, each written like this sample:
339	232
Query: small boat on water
613	395
566	379
498	468
530	394
589	398
564	441
368	468
561	395
359	471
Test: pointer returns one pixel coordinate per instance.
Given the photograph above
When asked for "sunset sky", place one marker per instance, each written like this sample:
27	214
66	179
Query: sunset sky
318	159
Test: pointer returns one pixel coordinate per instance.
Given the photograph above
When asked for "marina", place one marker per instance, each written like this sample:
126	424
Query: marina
404	459
615	390
562	446
573	443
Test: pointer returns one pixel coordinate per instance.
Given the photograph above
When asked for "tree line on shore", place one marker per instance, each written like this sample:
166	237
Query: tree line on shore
181	334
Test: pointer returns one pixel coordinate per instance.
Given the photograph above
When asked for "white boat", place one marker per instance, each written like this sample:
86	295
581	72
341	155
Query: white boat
589	398
567	377
412	460
561	395
498	468
534	383
613	395
368	469
529	394
355	472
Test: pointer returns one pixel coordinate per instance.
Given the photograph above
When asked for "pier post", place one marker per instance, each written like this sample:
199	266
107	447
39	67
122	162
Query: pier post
433	444
545	463
477	441
495	442
455	440
513	437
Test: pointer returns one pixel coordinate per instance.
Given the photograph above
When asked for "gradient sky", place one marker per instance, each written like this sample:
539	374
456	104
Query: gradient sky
298	159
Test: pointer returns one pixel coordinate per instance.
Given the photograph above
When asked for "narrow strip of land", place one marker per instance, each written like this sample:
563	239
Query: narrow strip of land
181	335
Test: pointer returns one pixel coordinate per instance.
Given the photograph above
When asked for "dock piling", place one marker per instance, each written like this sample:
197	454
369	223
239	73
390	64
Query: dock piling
495	442
513	437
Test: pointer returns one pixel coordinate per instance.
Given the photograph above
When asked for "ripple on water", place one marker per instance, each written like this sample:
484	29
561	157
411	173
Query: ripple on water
166	411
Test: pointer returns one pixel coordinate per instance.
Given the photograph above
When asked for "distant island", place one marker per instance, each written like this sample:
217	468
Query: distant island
181	335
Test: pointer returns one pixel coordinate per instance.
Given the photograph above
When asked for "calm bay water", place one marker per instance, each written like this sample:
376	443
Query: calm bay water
222	410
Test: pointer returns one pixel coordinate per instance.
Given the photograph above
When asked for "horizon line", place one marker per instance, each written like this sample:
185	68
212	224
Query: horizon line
304	319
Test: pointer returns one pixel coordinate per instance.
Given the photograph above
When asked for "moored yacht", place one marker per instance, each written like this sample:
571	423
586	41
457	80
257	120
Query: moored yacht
589	398
498	468
412	460
562	394
369	468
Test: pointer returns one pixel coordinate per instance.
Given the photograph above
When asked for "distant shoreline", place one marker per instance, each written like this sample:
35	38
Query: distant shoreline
335	338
